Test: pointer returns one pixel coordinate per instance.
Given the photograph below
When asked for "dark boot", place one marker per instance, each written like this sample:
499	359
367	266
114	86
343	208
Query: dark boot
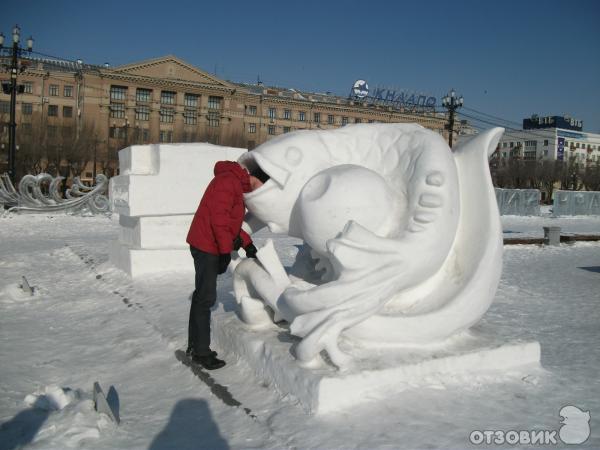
209	362
190	351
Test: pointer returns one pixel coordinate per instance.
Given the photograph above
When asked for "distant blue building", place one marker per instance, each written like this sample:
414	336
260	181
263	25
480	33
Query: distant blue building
564	122
552	137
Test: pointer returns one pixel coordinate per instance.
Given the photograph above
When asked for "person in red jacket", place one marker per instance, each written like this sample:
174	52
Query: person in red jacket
215	232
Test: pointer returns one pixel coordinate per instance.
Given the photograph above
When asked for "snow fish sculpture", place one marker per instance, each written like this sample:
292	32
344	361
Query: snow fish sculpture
404	235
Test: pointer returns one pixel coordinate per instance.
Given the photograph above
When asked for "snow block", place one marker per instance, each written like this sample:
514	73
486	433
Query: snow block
156	196
138	262
154	232
377	371
576	203
518	202
165	179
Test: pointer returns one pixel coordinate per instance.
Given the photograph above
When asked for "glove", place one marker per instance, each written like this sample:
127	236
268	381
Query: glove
224	260
237	243
250	250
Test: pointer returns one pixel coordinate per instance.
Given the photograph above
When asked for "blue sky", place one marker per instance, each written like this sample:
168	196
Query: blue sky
507	58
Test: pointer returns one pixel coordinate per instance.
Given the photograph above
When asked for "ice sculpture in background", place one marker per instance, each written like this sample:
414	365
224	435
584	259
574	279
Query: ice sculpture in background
403	237
518	202
31	197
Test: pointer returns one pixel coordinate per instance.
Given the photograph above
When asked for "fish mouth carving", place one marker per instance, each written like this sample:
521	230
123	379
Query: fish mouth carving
277	175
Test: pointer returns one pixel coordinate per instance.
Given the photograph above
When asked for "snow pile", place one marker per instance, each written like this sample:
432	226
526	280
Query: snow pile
51	398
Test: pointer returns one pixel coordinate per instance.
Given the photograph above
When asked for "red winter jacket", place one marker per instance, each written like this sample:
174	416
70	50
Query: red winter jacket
218	220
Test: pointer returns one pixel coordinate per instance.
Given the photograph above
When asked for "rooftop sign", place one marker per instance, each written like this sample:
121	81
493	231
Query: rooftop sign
391	97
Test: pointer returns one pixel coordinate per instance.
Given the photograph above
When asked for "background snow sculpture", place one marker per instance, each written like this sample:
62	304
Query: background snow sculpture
43	194
405	235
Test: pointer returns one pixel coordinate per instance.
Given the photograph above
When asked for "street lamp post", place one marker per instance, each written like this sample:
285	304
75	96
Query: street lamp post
451	102
14	71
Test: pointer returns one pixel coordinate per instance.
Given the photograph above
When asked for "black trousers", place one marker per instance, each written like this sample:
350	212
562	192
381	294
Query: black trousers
203	299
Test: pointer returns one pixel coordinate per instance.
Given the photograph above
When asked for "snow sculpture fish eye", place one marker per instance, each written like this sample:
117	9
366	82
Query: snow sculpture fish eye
405	237
293	156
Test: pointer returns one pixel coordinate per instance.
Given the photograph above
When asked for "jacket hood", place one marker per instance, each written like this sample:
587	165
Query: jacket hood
222	167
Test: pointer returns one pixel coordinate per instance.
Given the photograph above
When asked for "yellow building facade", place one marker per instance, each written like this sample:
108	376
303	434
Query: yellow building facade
72	111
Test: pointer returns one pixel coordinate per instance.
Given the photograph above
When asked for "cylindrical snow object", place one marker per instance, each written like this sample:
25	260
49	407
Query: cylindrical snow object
551	235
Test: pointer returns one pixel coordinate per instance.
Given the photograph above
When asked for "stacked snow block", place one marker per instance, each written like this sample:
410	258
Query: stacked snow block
156	196
576	203
518	202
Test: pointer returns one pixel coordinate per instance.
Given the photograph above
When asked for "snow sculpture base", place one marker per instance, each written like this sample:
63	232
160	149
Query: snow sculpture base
375	371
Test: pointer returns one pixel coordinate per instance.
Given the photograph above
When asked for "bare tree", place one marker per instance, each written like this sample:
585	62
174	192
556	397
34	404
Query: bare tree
590	177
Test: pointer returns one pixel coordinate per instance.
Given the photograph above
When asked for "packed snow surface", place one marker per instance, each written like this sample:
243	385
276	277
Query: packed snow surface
89	322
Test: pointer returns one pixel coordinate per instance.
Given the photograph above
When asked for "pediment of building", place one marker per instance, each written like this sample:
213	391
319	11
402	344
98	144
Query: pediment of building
170	68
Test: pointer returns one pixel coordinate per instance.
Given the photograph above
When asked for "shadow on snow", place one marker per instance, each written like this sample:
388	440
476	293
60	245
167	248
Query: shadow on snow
190	427
21	429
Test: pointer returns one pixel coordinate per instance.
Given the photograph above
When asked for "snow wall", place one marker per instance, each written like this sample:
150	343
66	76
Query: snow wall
518	202
576	203
156	196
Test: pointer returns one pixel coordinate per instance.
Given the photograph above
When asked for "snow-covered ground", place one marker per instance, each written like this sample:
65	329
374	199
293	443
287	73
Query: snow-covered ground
89	322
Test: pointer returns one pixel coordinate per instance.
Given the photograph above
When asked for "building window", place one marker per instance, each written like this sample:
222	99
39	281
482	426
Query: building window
545	142
286	129
330	119
358	120
251	128
512	144
214	102
145	134
4	107
67	111
271	129
213	119
117	132
167	97
53	110
190	117
51	130
143	95
301	116
53	90
142	112
117	110
28	86
344	120
118	93
68	91
317	117
272	113
166	136
287	114
251	110
167	115
191	100
504	144
26	108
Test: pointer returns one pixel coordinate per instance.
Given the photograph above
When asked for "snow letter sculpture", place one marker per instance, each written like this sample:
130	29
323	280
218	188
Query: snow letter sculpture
404	234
